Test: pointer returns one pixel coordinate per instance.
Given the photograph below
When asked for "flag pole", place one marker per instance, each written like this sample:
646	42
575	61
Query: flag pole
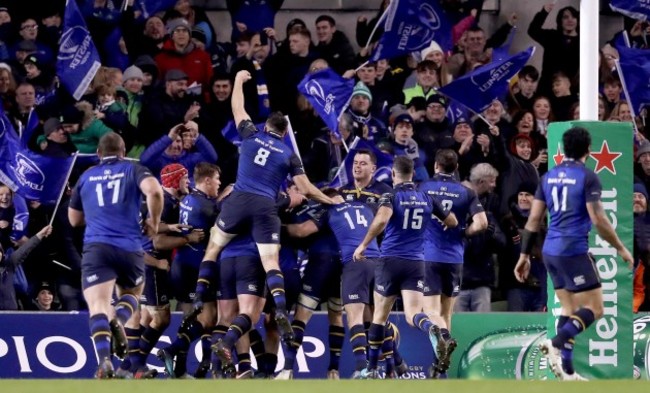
627	97
374	30
292	137
589	28
65	184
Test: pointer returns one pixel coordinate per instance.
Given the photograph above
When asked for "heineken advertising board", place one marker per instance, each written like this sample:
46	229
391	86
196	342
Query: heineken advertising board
605	349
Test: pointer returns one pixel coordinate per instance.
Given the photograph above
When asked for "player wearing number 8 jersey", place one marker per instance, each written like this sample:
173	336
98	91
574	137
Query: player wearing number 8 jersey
264	163
572	194
107	199
403	213
444	248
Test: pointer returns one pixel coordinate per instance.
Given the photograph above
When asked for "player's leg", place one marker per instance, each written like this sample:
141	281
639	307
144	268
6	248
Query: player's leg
208	275
208	320
243	347
251	305
358	339
357	279
228	310
336	335
98	298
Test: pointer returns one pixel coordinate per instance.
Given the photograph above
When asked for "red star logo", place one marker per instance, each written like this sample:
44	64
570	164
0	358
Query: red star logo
558	157
605	159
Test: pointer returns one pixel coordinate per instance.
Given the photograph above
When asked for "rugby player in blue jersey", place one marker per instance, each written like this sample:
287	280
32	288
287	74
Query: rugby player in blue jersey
572	194
107	200
400	270
364	188
444	249
264	163
349	222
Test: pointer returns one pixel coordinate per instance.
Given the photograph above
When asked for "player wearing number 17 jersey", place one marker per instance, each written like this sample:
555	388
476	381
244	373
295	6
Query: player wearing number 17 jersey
572	194
264	163
107	199
403	213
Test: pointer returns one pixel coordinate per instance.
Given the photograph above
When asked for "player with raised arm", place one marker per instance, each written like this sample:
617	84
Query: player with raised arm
107	199
400	270
264	163
443	251
572	193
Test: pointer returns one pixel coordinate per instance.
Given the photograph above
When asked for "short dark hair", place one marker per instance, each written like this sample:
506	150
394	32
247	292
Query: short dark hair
529	71
403	166
327	19
560	14
278	122
576	142
447	159
330	192
204	170
370	153
426	65
110	144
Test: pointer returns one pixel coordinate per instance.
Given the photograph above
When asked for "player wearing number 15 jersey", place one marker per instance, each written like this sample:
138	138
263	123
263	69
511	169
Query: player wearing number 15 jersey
264	163
572	194
107	199
403	213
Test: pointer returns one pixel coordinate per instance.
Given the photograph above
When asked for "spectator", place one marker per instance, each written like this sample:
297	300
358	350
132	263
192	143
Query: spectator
20	53
434	132
149	72
382	96
527	82
327	152
621	112
178	52
404	145
478	49
612	90
426	81
25	102
167	108
141	40
333	45
44	300
561	45
56	142
197	18
642	167
516	166
471	148
365	125
641	248
7	87
543	114
113	114
29	32
9	264
530	295
434	53
219	52
171	148
253	60
524	123
7	213
83	128
562	98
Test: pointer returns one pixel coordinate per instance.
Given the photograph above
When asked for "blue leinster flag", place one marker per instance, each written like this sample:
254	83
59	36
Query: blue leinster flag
31	175
478	89
410	26
634	66
328	93
78	60
635	9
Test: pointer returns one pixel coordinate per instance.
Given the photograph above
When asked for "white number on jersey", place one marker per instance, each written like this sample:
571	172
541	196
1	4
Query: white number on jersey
262	155
114	185
361	220
557	204
447	204
415	219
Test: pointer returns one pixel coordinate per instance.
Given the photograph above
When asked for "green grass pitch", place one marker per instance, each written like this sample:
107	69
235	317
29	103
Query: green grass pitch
317	386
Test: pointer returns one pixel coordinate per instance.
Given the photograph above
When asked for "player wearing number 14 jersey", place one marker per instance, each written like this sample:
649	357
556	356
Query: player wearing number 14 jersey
264	163
403	213
572	194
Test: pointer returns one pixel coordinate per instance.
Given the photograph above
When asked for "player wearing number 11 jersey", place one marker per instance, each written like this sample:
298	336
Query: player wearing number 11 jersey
572	193
264	163
403	213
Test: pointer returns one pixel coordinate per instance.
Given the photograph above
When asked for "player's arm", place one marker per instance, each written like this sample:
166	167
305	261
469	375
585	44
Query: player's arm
237	101
162	241
306	188
162	264
448	218
75	209
606	231
303	229
479	224
154	196
377	226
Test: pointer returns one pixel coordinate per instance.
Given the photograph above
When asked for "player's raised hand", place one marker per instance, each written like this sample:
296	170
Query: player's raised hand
627	257
243	76
358	253
522	269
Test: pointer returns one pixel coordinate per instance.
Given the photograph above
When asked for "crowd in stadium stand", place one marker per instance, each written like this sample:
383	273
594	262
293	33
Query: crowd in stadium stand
171	68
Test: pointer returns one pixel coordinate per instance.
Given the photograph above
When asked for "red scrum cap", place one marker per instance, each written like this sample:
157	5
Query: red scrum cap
172	174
